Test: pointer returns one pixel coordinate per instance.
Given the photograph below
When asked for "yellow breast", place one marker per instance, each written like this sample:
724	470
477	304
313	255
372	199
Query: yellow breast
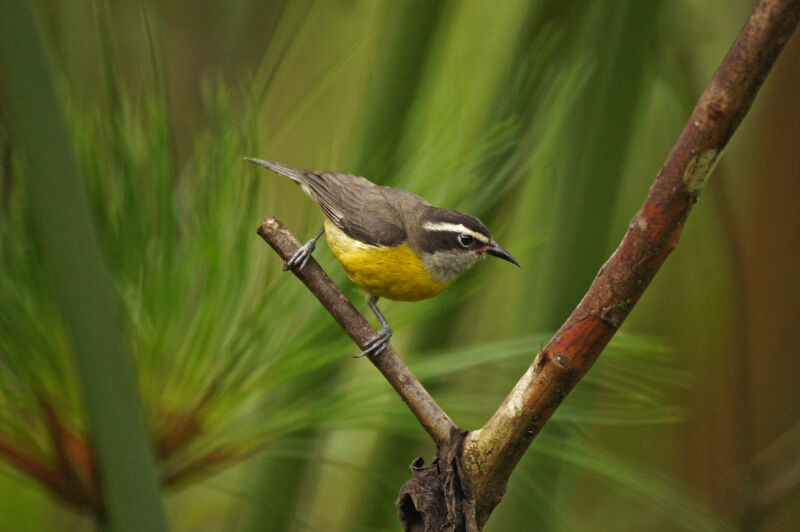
392	272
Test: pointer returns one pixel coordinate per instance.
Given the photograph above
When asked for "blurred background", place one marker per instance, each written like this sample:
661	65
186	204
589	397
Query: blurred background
548	119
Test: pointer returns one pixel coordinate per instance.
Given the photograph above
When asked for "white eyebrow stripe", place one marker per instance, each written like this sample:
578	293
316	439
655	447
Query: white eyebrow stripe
455	228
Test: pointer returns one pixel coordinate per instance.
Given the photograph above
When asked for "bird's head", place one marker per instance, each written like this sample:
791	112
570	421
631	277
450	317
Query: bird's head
450	242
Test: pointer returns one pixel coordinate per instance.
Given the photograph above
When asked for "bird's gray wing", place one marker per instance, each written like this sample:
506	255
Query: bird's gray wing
358	207
363	210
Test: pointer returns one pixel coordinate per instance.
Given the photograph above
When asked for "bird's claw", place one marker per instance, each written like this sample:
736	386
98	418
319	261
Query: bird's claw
377	343
300	257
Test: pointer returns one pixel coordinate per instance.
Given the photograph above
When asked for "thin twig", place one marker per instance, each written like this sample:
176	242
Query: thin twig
429	414
491	453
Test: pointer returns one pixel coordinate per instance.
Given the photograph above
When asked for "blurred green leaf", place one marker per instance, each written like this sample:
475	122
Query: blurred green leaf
61	220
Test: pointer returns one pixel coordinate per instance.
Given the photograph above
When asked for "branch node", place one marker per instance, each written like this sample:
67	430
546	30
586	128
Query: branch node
439	497
564	363
540	361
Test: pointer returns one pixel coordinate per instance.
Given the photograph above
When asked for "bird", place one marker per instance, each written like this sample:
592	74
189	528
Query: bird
390	242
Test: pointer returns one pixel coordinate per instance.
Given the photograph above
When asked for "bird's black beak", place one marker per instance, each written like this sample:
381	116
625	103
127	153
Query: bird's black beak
497	251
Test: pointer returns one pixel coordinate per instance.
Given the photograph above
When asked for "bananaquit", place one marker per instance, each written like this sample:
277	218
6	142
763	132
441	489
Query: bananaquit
391	243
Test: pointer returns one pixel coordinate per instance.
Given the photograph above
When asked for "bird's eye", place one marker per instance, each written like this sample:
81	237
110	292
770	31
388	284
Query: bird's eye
465	240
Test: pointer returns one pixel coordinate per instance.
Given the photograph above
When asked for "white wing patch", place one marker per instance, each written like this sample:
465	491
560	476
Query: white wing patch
455	228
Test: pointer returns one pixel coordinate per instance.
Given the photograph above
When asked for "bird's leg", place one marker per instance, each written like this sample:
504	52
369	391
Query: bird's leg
300	257
377	343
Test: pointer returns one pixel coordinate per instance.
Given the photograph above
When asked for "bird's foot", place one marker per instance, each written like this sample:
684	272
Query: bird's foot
301	256
377	343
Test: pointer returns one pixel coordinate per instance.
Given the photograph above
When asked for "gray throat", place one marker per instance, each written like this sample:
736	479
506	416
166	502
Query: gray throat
445	266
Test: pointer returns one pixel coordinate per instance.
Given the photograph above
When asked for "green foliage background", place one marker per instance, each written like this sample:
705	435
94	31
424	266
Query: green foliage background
547	119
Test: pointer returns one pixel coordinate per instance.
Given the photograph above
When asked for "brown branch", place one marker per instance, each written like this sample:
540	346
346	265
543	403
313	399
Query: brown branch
429	414
491	453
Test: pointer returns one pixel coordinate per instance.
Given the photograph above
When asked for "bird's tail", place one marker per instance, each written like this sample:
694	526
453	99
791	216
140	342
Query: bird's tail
292	173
